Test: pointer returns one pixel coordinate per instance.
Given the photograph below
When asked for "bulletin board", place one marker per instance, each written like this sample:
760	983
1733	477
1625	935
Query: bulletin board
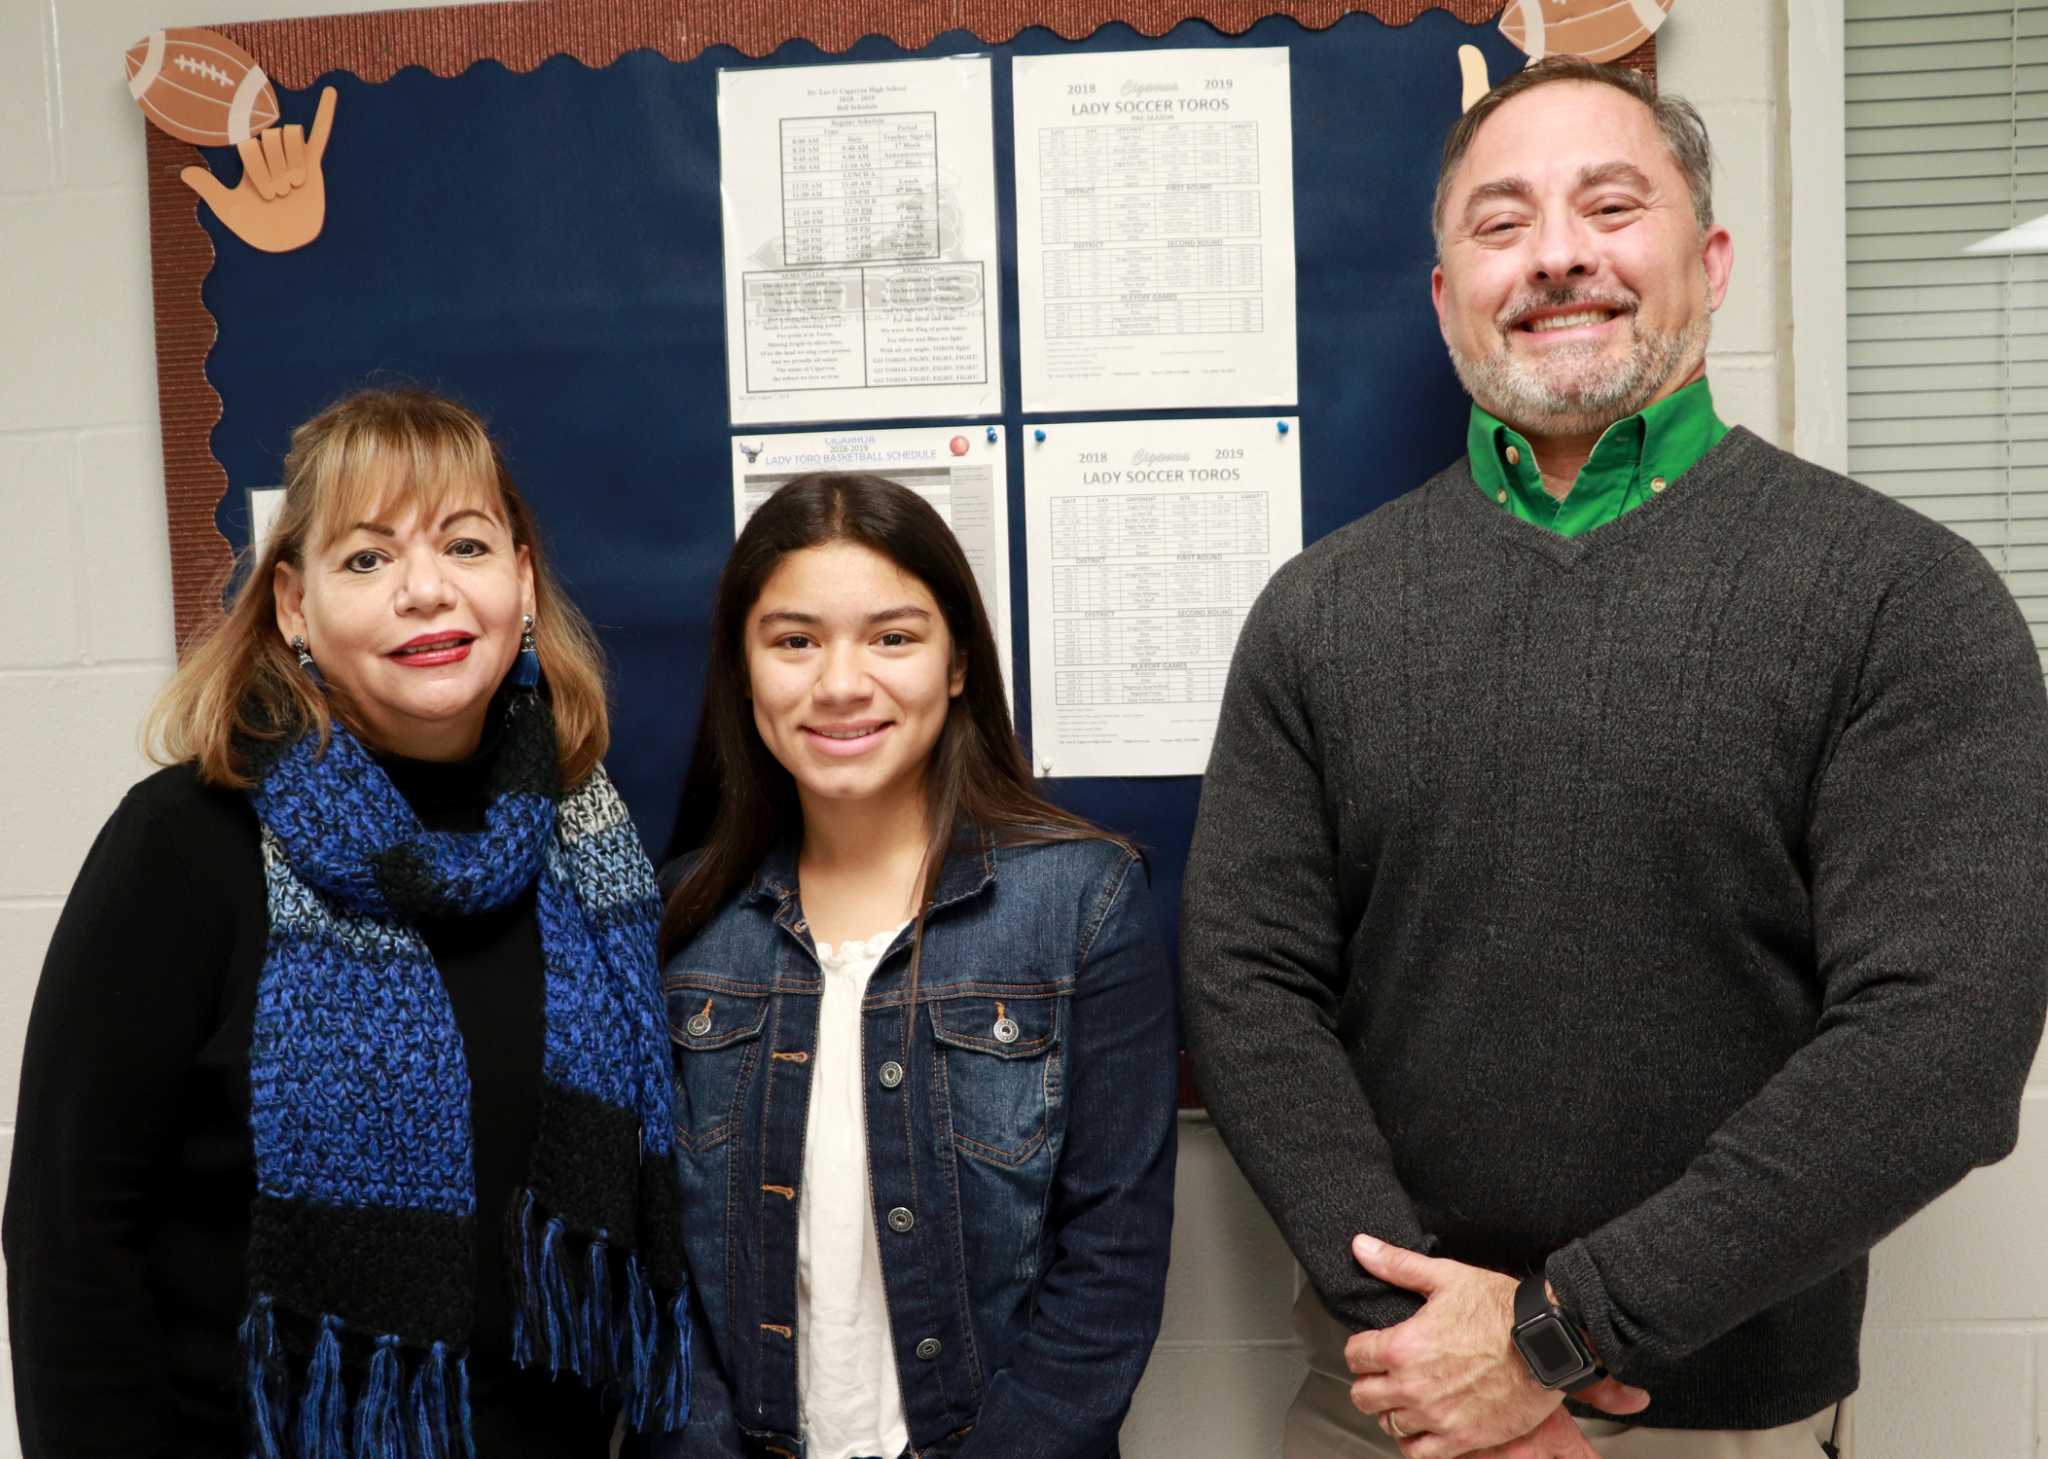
523	212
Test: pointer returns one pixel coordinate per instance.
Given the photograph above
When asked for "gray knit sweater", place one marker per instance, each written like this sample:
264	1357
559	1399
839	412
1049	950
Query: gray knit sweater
1663	908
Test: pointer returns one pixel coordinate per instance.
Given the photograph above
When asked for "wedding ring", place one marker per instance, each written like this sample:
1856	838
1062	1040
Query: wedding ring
1393	1425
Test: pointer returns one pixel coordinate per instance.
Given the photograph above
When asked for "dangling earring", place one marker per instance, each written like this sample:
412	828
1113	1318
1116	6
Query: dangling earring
306	664
526	668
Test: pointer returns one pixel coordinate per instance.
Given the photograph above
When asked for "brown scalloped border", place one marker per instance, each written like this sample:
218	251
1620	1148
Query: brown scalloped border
520	34
180	257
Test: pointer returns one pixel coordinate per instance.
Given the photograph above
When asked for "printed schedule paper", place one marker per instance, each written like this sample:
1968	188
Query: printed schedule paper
1155	229
1146	542
958	469
860	241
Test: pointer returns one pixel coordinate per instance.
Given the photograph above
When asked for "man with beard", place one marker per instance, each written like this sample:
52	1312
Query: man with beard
1616	901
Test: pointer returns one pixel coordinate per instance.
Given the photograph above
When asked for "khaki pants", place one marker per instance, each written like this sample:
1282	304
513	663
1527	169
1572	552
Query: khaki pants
1322	1424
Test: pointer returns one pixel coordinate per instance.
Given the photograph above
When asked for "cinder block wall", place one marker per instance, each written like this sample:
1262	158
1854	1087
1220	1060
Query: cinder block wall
1960	1314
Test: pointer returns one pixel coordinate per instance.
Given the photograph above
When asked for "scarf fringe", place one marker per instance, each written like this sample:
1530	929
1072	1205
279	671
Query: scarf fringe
598	1318
263	1380
321	1410
404	1410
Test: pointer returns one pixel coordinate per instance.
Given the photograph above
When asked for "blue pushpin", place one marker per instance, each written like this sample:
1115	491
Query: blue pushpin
1283	426
991	435
1039	436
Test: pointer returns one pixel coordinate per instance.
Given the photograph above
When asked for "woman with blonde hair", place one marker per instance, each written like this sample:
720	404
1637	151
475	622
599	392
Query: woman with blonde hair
344	1123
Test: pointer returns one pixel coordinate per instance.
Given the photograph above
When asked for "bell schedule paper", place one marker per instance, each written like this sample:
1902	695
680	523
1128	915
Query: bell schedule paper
860	241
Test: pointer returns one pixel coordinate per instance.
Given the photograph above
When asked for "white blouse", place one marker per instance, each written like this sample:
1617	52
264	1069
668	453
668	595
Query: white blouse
845	1362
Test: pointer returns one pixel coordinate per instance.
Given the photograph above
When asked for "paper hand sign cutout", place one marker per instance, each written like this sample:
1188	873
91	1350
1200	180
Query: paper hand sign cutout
282	199
1472	68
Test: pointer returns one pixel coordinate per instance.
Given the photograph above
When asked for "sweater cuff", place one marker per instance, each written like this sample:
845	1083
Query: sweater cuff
1572	1274
1380	1304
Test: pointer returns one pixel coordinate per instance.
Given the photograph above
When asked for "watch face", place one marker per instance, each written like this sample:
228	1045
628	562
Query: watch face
1549	1350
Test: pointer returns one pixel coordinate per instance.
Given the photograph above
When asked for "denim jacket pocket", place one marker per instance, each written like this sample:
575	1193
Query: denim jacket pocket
716	1031
1000	1067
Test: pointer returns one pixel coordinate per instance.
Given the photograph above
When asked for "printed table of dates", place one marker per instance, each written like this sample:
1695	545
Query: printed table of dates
860	189
1149	593
1182	200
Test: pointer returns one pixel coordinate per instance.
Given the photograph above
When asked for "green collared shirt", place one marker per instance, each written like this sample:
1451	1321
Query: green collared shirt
1634	459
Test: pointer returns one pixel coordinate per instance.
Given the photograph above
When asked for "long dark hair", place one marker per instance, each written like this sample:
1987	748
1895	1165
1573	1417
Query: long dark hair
739	802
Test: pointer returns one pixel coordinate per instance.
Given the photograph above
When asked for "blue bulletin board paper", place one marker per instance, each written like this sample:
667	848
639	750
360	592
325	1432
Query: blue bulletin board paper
546	248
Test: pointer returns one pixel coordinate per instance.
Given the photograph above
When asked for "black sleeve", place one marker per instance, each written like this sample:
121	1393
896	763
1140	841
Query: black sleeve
1263	934
1928	853
129	991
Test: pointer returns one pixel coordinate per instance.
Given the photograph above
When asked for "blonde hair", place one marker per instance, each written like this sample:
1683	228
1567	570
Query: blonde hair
376	450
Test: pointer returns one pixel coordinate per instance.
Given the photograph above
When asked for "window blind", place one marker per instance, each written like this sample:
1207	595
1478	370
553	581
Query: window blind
1947	166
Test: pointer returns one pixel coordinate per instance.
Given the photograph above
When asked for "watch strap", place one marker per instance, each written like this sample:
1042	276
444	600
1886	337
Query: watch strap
1532	1298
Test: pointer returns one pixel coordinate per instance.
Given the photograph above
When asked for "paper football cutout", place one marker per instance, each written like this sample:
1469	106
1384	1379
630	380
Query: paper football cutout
1599	30
200	87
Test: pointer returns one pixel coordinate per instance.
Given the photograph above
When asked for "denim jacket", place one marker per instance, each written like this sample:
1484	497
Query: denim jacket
1020	1133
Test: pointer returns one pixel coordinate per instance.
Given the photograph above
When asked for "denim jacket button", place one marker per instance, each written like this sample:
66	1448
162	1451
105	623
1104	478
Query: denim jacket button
699	1026
892	1074
928	1349
1005	1030
901	1220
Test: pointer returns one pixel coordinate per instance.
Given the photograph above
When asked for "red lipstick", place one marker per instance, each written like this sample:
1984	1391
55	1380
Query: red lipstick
429	650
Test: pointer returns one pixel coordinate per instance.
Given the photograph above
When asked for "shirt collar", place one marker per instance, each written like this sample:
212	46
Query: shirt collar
969	867
1634	460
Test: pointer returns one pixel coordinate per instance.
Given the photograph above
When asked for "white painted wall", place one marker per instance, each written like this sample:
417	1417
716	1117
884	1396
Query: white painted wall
1957	1348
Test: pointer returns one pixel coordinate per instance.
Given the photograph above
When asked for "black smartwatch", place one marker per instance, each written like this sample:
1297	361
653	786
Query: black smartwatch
1548	1338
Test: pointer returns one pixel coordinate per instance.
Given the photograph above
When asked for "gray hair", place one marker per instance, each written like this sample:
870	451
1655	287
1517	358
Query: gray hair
1685	133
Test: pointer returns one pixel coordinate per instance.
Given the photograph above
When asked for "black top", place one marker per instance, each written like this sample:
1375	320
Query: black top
1659	908
127	1220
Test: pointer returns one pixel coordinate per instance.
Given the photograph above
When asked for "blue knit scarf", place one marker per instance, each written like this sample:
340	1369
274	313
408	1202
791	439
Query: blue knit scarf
361	1256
